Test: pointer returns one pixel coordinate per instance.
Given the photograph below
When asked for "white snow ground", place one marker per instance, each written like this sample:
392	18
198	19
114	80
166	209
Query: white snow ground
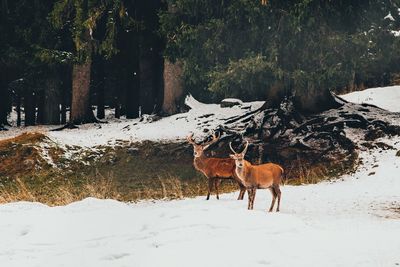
172	128
350	222
177	127
383	97
345	223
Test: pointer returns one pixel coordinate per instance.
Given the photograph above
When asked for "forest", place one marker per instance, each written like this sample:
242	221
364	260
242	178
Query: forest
143	57
199	133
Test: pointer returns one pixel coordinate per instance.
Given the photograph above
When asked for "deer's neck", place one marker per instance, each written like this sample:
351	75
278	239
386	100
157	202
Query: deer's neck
200	162
242	173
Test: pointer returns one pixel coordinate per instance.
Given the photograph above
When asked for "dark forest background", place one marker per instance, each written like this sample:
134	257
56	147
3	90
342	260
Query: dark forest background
143	57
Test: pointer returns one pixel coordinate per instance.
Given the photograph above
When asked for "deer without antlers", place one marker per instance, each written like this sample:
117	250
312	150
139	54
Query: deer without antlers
214	168
255	177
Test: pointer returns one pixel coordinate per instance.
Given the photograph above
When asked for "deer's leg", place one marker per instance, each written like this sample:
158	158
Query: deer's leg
253	193
242	191
210	185
273	198
249	195
216	183
278	193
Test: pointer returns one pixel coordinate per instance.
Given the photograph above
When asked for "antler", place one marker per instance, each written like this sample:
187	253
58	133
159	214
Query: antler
244	150
230	145
190	139
214	139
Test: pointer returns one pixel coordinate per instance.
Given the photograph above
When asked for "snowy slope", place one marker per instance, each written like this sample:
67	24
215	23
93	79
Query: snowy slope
354	221
383	97
346	223
177	127
172	128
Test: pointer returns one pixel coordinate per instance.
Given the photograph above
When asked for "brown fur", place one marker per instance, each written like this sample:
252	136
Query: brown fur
214	169
253	177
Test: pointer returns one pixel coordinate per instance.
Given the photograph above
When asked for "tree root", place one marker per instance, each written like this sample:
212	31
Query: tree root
284	135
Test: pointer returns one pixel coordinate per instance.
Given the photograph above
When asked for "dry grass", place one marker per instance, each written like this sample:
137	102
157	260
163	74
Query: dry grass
129	172
62	194
24	138
171	187
104	188
302	172
19	154
306	175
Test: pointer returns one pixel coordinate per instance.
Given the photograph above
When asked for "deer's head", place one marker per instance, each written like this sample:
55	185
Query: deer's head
239	157
198	149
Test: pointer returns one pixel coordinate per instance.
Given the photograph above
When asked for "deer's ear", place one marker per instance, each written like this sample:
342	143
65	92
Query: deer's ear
232	156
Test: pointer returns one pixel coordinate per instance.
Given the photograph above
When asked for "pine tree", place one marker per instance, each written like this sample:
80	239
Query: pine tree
82	18
277	49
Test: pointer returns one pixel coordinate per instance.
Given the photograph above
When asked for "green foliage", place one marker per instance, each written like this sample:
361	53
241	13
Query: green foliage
20	30
242	48
206	35
246	78
52	56
93	25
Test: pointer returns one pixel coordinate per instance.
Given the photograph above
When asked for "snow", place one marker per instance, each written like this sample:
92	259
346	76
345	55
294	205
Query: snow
232	100
343	223
396	33
177	127
389	16
173	128
383	97
353	221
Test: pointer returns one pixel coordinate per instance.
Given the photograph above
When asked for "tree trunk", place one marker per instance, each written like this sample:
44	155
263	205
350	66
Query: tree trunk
100	101
40	107
150	59
3	104
132	79
275	94
117	105
173	87
80	107
64	95
147	82
63	111
132	97
98	80
313	99
18	100
30	108
51	114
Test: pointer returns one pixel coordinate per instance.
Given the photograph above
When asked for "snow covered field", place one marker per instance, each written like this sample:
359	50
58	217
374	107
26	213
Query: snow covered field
384	97
354	221
345	223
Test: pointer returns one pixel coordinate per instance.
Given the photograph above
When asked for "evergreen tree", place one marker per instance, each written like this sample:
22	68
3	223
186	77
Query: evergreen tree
83	19
28	52
300	49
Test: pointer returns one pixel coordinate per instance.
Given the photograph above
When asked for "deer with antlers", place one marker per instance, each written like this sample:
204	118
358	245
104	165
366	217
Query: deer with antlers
214	169
253	177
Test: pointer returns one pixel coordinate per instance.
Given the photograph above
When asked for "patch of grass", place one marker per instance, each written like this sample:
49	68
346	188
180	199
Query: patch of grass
127	172
59	193
305	172
24	138
19	155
